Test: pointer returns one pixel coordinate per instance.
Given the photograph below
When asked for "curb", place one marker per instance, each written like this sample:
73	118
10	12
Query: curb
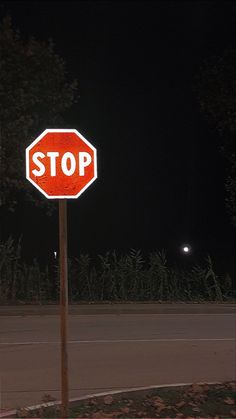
122	308
73	401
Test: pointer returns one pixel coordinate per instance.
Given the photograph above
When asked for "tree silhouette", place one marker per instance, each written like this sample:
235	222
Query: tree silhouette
34	94
217	97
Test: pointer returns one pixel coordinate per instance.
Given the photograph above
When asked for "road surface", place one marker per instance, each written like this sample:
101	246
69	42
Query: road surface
113	347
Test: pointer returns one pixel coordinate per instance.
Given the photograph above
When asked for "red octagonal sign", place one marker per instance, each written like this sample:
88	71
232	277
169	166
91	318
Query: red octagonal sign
61	163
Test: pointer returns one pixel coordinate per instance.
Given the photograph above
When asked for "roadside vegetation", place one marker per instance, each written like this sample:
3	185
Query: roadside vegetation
202	401
111	277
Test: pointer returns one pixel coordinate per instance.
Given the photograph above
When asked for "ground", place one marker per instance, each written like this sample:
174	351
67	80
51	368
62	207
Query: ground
195	401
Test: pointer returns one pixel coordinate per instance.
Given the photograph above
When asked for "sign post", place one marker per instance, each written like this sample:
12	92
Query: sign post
62	164
63	306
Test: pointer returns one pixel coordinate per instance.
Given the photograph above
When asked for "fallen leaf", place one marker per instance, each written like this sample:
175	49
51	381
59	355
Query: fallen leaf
157	399
125	409
198	396
192	404
196	388
180	404
160	408
108	399
23	413
196	409
232	385
93	401
158	403
228	400
219	386
97	415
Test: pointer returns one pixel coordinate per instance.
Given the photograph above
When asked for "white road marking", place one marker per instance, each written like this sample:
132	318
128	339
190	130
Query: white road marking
121	341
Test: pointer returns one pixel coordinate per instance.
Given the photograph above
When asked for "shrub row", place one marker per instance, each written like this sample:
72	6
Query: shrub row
111	278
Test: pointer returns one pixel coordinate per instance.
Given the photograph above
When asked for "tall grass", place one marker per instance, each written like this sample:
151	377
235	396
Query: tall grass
110	277
20	281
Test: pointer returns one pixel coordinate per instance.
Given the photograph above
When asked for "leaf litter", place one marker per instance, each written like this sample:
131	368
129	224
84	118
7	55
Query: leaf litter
201	401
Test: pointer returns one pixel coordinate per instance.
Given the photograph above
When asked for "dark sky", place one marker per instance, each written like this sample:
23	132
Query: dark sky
160	174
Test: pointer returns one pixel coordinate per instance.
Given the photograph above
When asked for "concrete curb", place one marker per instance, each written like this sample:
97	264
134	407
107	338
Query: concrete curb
121	308
74	401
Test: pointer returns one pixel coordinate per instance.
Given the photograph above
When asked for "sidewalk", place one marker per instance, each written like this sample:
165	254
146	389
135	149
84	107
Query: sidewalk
121	308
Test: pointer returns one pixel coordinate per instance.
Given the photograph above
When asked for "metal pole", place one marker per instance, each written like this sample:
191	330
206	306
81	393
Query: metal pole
63	306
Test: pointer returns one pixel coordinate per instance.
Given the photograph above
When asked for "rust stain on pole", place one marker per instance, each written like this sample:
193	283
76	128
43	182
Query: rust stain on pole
63	306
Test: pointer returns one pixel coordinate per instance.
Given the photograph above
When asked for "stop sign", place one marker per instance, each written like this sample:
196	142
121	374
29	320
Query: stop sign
61	163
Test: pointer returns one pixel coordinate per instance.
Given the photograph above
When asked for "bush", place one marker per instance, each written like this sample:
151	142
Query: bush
111	277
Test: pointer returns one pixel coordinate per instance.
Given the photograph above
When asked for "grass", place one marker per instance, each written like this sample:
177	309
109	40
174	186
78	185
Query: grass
200	401
111	277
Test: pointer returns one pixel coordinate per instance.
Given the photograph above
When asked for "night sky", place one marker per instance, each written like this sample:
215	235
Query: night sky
160	174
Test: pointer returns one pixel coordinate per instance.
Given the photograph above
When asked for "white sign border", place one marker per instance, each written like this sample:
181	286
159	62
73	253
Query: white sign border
46	131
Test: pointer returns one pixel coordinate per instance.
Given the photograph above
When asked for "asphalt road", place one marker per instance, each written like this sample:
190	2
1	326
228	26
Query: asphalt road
114	349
